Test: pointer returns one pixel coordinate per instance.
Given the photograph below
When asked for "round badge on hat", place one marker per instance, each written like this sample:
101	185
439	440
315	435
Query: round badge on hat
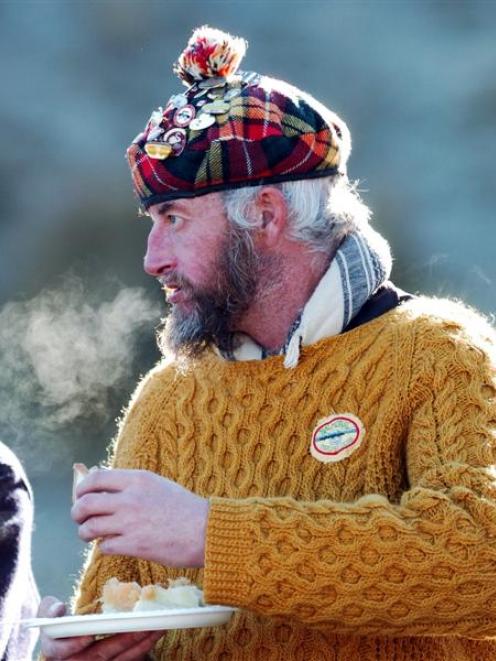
158	150
201	122
184	115
250	78
216	94
178	100
336	437
156	117
201	93
214	81
216	108
155	133
176	138
232	93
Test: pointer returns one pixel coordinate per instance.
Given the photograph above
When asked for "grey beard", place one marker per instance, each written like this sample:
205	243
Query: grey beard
215	309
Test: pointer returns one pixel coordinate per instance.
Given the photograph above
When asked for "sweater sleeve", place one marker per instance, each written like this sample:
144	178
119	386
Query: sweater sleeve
423	566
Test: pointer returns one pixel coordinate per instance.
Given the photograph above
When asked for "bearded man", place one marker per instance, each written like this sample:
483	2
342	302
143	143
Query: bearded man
317	447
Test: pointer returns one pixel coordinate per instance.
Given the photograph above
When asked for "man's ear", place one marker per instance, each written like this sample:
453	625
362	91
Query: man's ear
272	210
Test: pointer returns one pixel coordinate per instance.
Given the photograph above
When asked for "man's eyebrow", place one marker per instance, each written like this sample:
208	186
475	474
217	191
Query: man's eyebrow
164	208
172	206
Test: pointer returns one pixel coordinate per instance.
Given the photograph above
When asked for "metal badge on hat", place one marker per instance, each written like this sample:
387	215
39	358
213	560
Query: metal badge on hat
201	93
176	139
178	100
216	108
155	133
202	121
232	93
249	78
208	83
184	115
158	150
156	117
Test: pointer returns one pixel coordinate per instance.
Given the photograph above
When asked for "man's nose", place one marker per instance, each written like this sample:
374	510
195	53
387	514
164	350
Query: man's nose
159	257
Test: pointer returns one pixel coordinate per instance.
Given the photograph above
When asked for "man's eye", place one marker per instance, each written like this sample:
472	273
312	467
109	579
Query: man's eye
174	220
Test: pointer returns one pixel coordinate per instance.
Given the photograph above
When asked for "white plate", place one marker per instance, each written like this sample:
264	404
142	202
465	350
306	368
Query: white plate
101	623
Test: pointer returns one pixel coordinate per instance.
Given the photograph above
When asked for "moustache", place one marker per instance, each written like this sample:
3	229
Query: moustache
175	281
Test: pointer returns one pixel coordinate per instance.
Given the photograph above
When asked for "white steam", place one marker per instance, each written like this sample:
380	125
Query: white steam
61	358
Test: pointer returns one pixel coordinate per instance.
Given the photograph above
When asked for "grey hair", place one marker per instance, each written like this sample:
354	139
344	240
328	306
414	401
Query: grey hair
322	211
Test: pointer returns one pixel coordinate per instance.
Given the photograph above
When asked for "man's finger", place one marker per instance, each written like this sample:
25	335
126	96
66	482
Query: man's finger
94	504
51	607
120	647
61	648
116	545
99	526
64	648
104	479
141	647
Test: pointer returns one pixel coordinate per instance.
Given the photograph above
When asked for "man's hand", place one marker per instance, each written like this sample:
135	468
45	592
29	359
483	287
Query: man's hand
139	513
119	647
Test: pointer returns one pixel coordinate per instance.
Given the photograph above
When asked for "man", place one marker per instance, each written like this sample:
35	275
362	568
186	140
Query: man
18	593
317	447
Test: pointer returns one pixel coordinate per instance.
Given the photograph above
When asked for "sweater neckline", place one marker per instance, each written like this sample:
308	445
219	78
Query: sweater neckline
334	343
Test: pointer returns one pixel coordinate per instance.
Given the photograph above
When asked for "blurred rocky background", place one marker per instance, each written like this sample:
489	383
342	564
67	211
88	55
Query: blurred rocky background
79	78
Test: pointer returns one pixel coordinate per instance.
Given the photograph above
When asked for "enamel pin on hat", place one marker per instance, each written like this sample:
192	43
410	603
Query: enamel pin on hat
158	150
336	437
184	115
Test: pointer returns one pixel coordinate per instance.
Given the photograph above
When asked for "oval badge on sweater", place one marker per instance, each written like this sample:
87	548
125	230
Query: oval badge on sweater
336	437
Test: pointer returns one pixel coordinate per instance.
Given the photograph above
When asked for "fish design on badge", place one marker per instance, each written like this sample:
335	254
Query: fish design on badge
184	115
336	437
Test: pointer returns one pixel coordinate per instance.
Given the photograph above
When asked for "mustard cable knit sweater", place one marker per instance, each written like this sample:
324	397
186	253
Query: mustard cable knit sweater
387	554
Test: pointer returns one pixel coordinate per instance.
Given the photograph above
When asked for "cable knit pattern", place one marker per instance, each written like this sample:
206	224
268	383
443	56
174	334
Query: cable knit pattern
387	554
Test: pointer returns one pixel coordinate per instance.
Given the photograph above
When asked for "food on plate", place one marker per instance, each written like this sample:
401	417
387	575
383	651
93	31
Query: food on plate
123	597
119	597
180	594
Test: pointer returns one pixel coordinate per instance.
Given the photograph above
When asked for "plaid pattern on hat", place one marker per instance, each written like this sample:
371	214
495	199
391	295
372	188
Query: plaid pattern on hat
236	130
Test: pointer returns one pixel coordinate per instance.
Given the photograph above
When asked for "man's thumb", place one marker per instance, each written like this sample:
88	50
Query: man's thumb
51	607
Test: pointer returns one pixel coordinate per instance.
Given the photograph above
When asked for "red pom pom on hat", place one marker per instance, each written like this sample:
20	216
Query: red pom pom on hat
210	53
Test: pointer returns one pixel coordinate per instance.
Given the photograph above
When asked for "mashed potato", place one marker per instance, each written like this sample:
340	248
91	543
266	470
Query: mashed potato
120	597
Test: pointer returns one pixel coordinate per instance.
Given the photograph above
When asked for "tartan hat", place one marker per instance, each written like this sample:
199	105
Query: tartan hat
232	128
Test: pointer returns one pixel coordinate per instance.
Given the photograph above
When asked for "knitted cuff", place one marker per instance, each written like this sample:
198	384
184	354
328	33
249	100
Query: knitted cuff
227	552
